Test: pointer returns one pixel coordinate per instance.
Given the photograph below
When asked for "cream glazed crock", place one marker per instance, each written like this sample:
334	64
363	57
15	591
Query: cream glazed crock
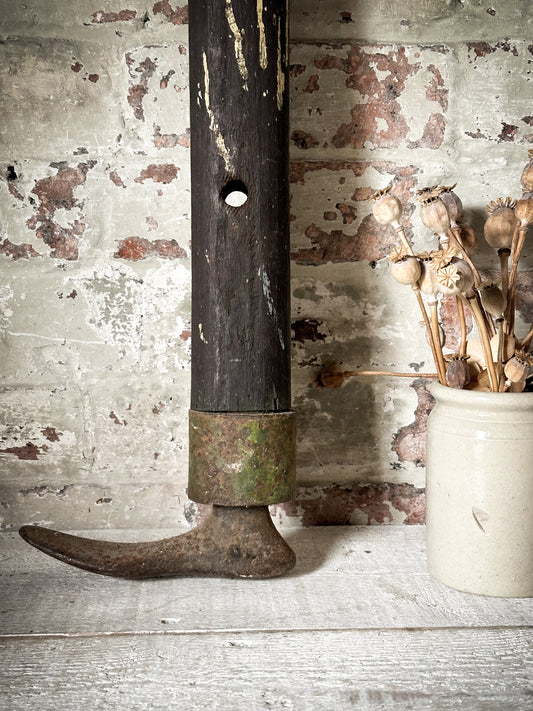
479	491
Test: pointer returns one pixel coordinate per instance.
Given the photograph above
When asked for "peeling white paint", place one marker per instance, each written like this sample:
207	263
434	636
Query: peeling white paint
51	447
237	36
263	57
213	123
6	297
166	305
201	331
381	124
266	290
287	46
270	303
280	74
114	304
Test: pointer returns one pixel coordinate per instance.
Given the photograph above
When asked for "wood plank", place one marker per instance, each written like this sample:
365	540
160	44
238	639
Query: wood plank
481	670
346	577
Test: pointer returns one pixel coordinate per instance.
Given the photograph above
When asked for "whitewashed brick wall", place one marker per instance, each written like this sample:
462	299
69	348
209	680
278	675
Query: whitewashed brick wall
95	244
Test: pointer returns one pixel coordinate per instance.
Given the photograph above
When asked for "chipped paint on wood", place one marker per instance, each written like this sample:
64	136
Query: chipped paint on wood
238	40
263	56
265	281
281	74
213	123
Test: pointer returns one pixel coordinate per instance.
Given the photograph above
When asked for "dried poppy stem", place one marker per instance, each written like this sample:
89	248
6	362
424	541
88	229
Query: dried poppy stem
455	239
462	323
435	332
504	268
368	373
516	249
501	378
439	361
485	342
436	351
330	377
403	239
487	320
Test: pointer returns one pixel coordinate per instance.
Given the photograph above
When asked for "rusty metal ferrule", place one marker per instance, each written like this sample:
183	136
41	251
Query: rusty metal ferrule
242	459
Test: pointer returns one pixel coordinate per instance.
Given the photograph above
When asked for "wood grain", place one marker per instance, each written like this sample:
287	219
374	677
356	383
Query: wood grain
240	255
359	624
346	578
481	670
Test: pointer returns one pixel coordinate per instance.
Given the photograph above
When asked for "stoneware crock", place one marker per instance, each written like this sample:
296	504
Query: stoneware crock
479	491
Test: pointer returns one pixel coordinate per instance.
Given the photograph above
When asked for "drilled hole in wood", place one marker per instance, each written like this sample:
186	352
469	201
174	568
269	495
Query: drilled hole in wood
235	193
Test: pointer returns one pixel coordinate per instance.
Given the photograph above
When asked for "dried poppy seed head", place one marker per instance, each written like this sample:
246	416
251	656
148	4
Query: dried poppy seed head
456	278
381	192
492	298
448	277
424	193
467	237
398	254
427	256
495	205
442	258
407	270
452	201
426	282
501	223
458	371
517	367
387	209
434	215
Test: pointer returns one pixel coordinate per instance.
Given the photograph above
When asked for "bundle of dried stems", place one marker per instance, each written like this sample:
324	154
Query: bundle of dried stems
497	360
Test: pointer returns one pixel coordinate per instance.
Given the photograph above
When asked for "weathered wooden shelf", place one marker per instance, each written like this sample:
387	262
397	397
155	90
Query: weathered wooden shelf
358	624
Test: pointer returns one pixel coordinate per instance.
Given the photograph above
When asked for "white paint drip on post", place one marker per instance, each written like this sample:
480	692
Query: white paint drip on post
213	123
201	331
237	35
270	302
263	57
281	76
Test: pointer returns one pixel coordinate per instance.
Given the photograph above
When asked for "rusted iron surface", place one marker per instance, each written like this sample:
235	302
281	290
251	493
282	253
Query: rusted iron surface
233	542
241	459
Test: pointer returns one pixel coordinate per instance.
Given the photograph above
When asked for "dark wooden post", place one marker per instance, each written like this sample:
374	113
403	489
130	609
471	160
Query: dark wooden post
240	254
